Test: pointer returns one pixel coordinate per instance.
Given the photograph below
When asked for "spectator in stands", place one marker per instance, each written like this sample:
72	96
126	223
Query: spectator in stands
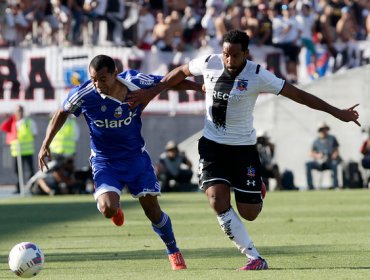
367	25
161	36
176	30
250	23
286	34
346	27
20	134
47	34
219	5
307	21
95	11
176	5
145	28
233	14
264	25
60	180
208	23
326	32
115	15
192	28
266	151
325	155
365	151
76	7
173	168
63	15
15	26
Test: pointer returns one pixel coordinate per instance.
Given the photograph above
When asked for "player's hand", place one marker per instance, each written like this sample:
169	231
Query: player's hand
44	152
349	115
139	97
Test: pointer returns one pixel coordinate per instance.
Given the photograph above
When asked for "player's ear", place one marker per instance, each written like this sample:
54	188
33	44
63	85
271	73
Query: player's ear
246	53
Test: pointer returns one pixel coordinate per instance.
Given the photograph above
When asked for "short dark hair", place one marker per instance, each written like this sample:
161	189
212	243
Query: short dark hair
100	61
237	37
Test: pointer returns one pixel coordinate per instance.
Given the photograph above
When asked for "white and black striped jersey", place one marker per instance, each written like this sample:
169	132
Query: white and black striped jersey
230	101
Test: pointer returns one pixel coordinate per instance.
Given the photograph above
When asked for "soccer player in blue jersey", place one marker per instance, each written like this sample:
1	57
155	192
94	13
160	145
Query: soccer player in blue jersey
227	150
118	155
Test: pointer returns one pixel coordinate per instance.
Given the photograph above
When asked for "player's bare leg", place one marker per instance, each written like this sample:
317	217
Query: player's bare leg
219	199
161	224
109	206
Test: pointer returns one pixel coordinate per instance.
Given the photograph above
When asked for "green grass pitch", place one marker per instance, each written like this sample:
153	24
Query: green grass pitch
303	235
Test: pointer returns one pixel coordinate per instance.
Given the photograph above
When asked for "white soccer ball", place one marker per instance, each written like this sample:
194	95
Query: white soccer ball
26	259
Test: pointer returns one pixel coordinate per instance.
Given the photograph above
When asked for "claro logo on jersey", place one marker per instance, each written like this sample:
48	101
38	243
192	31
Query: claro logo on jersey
106	123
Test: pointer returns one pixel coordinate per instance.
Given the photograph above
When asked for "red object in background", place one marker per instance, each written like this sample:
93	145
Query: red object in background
9	126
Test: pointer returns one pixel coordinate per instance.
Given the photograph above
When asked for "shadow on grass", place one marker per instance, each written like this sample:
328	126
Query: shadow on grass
25	215
194	254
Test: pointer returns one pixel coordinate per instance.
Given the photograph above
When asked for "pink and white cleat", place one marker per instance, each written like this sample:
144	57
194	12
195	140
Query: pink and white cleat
256	264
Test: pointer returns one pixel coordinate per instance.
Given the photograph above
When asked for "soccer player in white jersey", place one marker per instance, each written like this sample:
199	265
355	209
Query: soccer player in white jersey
118	155
228	156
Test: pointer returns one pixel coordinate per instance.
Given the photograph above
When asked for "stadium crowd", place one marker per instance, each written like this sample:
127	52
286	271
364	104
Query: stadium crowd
181	24
186	25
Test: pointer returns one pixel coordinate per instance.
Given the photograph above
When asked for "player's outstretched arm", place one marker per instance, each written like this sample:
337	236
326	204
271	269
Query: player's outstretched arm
314	102
57	121
171	80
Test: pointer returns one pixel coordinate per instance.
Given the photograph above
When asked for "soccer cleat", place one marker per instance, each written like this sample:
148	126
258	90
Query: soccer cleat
256	264
263	190
177	261
118	219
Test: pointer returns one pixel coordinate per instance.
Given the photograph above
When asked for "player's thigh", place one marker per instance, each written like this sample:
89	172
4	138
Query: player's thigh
247	182
145	182
249	211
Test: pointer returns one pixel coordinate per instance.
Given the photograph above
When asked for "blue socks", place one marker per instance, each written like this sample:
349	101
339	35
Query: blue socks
164	229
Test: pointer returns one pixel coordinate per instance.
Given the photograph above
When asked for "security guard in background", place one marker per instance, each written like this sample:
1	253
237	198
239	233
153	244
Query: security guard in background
21	132
64	143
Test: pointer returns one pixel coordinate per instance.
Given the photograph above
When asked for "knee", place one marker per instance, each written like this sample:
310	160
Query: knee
107	209
252	213
218	204
250	216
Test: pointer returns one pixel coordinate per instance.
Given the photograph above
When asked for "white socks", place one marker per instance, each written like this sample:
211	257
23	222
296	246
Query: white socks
234	228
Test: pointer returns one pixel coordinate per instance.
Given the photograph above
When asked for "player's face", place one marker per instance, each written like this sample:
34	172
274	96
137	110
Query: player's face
103	80
234	58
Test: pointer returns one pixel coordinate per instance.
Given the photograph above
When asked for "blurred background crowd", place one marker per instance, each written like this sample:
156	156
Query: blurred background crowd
180	24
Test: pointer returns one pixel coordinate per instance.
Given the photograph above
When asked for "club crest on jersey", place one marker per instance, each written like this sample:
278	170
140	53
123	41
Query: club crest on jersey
251	172
241	85
103	108
118	112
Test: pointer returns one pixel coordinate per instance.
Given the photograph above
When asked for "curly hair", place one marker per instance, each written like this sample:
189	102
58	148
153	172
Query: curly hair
237	37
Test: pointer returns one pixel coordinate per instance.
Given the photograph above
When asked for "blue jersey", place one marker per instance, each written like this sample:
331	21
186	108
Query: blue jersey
115	129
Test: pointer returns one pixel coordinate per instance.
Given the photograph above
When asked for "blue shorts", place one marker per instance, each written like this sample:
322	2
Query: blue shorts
136	173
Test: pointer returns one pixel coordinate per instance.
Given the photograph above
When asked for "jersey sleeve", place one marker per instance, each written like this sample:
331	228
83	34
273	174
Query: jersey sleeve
268	82
73	102
197	65
135	79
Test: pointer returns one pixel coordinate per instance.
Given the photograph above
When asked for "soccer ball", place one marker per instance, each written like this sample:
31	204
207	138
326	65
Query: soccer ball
26	259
